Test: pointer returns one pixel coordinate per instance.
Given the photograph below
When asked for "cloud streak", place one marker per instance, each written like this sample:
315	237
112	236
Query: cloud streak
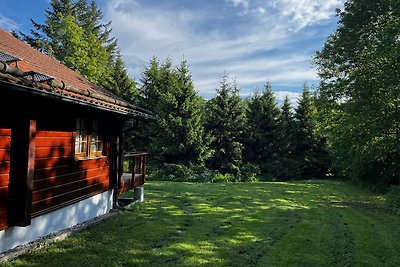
254	40
8	24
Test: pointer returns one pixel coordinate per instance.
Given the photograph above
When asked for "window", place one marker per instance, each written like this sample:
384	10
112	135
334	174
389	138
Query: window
88	139
81	138
96	149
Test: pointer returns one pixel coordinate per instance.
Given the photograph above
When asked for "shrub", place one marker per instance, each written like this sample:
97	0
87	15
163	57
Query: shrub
175	173
250	173
180	173
219	177
392	200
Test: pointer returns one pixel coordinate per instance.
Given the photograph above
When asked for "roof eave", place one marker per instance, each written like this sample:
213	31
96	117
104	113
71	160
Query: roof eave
126	111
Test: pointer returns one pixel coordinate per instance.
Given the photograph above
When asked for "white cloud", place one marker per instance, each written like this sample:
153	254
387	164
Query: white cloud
303	13
255	47
8	24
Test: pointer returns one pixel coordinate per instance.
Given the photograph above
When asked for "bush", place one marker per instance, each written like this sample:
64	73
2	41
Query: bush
220	178
182	173
392	200
250	173
172	172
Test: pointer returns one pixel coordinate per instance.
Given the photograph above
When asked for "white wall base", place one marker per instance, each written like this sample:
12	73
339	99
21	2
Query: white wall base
139	194
56	221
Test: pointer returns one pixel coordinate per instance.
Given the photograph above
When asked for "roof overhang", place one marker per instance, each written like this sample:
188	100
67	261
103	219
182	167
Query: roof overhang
59	95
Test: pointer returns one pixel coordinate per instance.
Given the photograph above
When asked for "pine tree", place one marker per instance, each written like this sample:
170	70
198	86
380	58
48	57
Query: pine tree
90	18
226	123
148	98
261	146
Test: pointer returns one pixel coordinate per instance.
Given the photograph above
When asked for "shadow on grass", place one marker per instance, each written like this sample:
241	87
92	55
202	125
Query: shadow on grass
180	224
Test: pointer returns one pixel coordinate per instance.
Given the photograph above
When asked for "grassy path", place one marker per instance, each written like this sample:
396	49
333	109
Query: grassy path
257	224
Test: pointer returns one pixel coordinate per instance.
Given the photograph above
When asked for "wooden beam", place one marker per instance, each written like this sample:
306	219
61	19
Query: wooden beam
23	142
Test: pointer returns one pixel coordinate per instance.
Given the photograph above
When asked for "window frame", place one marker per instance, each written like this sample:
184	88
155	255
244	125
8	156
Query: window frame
87	128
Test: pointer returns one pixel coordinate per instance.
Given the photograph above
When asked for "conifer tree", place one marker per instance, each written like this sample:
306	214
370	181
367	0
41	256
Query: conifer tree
226	123
261	146
70	26
150	80
177	134
180	137
120	83
47	37
309	148
286	136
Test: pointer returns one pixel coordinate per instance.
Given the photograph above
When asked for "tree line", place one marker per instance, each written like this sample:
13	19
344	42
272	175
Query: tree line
348	127
236	139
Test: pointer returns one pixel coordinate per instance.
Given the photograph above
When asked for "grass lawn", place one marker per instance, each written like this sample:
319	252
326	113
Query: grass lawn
312	223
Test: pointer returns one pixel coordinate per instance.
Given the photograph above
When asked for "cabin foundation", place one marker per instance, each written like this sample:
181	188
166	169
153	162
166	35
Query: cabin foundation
56	221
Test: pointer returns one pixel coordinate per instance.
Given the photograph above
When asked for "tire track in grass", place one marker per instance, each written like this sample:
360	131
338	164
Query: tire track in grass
376	236
259	251
178	231
341	250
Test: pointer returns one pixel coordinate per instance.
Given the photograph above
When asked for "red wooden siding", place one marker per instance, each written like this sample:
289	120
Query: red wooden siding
59	179
5	145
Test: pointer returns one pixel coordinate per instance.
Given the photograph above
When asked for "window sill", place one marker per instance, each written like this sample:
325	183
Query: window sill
89	158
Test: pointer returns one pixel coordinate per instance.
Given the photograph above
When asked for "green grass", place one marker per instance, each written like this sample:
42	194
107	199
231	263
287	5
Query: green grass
312	223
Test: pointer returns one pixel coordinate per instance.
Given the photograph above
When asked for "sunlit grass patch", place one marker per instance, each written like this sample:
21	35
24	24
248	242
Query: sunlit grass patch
303	223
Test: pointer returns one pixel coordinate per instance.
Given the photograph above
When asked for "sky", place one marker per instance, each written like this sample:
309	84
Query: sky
251	41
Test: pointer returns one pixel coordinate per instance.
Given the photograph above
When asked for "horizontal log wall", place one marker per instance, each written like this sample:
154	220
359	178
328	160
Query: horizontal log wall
59	179
5	146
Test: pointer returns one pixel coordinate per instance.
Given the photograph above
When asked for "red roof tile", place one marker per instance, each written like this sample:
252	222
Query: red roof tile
34	60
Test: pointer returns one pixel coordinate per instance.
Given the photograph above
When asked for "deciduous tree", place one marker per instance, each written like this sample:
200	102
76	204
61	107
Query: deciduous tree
360	91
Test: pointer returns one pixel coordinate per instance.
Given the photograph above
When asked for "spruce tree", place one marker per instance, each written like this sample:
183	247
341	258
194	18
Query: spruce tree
261	146
286	136
75	26
195	141
309	148
148	97
177	135
48	37
226	123
150	80
120	83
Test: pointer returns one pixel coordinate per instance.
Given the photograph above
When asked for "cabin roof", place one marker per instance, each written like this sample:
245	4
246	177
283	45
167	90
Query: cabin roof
58	79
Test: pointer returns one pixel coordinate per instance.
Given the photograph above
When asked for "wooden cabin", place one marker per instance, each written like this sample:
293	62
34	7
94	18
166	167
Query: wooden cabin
60	146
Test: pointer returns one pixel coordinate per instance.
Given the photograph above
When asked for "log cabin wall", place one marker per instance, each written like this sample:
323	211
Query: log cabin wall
5	145
59	179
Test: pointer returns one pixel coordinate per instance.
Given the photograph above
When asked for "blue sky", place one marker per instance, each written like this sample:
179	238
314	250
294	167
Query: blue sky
252	40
